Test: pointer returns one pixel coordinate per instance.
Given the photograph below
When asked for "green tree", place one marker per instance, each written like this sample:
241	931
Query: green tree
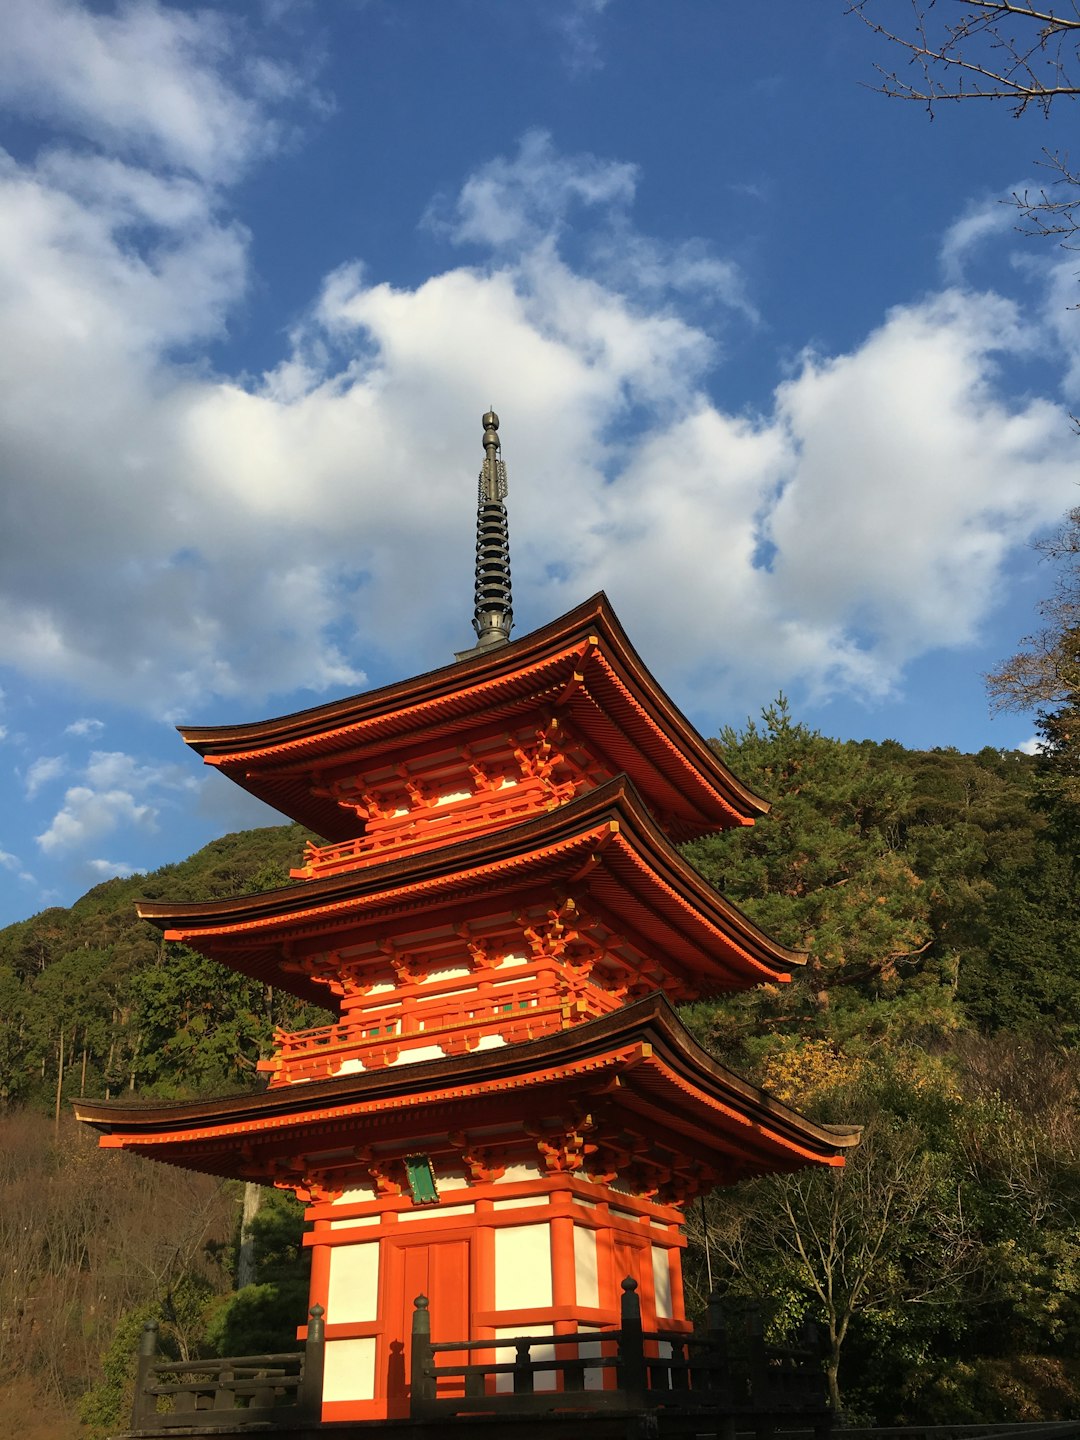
868	1243
262	1317
824	873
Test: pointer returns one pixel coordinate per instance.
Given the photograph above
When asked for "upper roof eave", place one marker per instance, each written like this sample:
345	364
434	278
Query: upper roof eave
263	740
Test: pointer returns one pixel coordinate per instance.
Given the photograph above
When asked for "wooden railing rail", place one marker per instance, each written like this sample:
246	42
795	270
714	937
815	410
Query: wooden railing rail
254	1388
732	1375
534	1013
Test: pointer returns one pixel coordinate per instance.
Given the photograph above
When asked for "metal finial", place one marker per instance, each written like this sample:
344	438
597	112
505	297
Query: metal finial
493	617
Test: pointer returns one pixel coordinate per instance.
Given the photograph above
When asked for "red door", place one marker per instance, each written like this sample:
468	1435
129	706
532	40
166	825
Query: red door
438	1269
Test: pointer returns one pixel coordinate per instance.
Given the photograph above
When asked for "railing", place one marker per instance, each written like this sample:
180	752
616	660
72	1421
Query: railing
735	1377
457	1025
429	824
249	1389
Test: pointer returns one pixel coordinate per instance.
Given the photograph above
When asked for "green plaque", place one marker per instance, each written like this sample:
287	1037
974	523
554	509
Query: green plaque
421	1179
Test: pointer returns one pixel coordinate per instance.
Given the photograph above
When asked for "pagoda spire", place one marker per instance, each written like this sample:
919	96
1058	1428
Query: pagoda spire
493	617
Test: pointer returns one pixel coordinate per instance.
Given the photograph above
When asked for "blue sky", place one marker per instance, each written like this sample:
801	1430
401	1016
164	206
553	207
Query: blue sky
773	367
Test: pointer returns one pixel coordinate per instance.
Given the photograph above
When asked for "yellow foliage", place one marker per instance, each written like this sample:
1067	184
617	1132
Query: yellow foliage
802	1071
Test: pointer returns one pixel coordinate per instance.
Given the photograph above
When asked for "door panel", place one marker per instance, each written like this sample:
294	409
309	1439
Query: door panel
440	1270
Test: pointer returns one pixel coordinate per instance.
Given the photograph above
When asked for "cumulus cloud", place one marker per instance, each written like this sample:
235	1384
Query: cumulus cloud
116	792
159	83
85	728
89	814
514	202
523	204
9	861
111	869
43	770
213	537
114	769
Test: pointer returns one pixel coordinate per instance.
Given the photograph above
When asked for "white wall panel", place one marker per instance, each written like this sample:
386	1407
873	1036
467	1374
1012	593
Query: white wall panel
353	1292
585	1273
506	1355
350	1370
522	1267
661	1272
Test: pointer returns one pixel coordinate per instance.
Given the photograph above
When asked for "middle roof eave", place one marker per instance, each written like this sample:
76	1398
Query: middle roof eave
247	932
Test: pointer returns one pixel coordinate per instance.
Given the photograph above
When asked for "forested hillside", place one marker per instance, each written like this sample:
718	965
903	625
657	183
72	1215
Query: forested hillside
936	895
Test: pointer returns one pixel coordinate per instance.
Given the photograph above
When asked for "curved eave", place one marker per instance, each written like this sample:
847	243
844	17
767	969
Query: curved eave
608	831
631	717
657	1062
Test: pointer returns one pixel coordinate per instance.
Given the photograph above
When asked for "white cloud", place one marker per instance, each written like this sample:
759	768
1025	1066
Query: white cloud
114	769
85	728
1034	746
116	791
3	732
512	203
309	522
110	869
981	221
9	861
89	815
43	770
522	205
577	21
159	83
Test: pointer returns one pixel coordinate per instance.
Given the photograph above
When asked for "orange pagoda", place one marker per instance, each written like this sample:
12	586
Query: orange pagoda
507	1116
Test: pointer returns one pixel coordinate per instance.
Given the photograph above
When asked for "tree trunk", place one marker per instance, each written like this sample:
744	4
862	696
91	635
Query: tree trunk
832	1375
59	1079
245	1261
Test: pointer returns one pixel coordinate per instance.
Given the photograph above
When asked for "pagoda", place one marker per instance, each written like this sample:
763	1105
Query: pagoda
507	1115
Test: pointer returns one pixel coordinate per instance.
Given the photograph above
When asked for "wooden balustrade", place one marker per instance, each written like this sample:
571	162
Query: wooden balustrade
456	1023
249	1389
724	1380
433	824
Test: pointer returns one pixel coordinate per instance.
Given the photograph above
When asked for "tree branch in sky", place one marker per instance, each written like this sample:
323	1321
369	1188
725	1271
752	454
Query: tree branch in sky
981	50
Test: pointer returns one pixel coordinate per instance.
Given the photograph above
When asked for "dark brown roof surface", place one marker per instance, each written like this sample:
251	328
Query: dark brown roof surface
619	707
641	880
676	1074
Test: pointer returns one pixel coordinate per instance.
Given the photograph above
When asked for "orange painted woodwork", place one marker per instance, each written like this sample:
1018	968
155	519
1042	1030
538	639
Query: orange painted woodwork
506	1114
576	685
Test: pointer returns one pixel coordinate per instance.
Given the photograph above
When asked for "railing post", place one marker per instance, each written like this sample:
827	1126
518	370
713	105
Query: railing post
633	1379
523	1375
713	1369
140	1410
422	1389
311	1380
762	1384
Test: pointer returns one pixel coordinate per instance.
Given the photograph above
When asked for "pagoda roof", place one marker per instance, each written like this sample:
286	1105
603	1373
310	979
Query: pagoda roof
581	665
602	848
638	1069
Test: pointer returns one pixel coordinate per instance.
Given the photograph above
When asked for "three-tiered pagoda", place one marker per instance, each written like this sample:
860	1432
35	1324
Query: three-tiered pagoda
507	1115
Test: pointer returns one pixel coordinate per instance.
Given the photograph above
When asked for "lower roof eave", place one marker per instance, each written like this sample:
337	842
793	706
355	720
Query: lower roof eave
640	1063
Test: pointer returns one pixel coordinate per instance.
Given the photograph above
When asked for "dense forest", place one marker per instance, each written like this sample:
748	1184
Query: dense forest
936	893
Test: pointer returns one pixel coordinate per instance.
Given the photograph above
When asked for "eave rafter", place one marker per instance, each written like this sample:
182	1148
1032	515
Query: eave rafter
638	1069
603	838
692	784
